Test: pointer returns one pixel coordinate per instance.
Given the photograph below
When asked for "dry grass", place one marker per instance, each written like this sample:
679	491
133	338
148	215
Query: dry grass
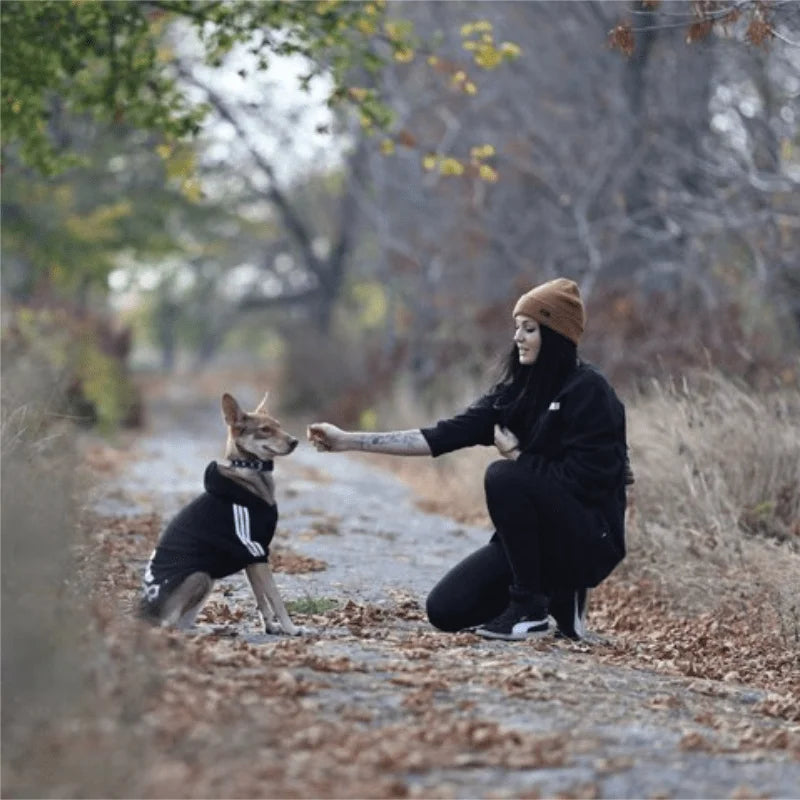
715	511
717	462
56	663
168	715
716	506
451	485
37	511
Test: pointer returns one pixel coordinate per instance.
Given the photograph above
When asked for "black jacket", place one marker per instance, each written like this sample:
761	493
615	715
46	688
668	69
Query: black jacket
578	442
220	532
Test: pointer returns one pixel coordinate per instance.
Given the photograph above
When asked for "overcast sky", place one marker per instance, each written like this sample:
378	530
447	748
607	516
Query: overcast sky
280	119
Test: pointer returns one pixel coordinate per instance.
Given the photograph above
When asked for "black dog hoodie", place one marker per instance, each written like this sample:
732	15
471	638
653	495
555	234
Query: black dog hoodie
219	533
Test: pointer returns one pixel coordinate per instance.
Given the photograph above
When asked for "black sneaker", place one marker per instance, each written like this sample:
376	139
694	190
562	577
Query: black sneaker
514	624
569	612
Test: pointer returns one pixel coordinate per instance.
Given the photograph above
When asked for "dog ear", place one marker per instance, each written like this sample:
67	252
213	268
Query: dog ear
262	406
231	410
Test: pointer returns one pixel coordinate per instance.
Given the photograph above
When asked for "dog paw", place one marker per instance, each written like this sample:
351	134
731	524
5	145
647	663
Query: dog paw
274	628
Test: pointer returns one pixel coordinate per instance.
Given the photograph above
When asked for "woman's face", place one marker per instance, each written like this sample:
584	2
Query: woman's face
527	338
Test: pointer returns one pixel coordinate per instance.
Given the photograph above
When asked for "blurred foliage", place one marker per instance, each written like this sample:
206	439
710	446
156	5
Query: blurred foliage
94	57
415	249
81	361
112	59
124	215
63	235
370	300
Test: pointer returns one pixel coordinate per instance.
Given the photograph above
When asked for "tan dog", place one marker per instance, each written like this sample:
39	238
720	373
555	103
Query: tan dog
226	529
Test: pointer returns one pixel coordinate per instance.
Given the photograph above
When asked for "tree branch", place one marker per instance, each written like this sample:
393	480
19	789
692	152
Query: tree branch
296	227
256	303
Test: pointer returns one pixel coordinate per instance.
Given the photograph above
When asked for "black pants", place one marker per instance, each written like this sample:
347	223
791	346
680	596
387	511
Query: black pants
543	543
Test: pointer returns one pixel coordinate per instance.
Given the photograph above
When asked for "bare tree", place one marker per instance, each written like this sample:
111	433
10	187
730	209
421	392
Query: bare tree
651	176
319	248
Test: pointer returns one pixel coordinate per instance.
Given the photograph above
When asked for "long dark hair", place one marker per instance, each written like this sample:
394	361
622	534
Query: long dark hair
524	391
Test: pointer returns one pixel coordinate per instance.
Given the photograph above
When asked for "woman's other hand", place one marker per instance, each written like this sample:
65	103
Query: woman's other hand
325	437
506	443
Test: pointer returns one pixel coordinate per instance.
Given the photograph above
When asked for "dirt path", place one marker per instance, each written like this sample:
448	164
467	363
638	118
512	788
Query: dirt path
377	703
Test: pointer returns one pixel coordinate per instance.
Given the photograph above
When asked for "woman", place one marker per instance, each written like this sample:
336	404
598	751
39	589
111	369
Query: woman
556	498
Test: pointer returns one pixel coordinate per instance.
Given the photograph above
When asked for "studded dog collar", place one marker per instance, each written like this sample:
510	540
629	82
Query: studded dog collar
252	463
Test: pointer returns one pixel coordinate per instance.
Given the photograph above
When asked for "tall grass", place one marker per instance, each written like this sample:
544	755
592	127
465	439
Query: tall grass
716	460
716	506
56	667
40	671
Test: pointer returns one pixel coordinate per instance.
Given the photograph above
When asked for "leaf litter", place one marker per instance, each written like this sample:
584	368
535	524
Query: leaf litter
378	704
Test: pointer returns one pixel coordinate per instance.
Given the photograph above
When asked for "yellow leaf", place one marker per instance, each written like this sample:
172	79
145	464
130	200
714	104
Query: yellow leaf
192	190
357	93
429	162
99	225
180	162
387	147
366	26
404	56
488	173
164	150
433	61
510	49
372	303
368	419
488	57
482	151
393	30
470	88
451	166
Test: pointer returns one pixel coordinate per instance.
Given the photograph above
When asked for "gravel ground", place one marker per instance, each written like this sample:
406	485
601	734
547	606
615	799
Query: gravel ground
568	724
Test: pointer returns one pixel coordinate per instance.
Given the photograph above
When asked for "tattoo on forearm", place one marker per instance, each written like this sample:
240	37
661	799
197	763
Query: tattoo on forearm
398	443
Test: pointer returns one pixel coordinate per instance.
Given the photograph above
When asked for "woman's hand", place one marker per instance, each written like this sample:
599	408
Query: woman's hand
506	443
326	438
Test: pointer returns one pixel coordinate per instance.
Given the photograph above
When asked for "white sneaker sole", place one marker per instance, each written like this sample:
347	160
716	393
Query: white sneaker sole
579	629
518	633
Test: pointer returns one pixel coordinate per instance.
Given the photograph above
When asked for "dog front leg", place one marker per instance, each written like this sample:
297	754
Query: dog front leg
271	625
269	601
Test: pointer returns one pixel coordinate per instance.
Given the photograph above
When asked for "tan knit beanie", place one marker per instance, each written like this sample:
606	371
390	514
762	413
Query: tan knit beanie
556	304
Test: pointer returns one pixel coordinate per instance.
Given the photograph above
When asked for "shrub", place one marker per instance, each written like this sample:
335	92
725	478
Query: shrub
80	360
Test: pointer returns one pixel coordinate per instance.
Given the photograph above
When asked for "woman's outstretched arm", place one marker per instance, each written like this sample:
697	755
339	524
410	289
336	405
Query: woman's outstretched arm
328	438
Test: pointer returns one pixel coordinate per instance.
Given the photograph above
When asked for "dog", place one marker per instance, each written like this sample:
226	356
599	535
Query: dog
226	529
